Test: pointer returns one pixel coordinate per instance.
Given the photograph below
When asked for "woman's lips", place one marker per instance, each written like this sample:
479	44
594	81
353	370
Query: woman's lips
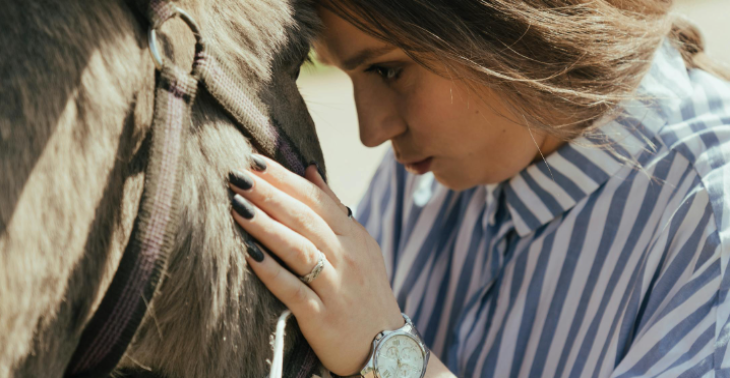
419	167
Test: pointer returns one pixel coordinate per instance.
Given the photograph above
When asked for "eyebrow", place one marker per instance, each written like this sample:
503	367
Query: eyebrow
365	56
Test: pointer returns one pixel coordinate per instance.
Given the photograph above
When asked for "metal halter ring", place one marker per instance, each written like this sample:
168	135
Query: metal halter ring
152	35
309	277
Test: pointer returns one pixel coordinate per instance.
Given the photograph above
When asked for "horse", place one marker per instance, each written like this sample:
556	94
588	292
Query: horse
77	88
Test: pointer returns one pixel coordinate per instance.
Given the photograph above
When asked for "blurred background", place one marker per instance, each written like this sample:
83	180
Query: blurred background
350	165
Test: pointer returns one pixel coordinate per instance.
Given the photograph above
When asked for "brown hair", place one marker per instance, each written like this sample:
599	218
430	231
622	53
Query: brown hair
561	64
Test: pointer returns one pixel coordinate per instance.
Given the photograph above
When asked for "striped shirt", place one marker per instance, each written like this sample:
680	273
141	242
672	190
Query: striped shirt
598	262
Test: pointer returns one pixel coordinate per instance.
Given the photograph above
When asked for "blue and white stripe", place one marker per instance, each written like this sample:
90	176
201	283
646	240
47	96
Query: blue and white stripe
606	264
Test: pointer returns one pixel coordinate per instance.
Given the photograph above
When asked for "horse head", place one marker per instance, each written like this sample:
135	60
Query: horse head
78	92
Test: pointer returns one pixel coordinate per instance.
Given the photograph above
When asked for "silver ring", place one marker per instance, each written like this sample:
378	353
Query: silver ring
349	212
309	277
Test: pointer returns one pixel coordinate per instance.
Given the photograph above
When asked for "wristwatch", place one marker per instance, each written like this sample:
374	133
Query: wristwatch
397	354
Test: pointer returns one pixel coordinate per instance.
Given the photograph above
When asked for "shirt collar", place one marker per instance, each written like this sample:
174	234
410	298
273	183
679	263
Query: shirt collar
547	189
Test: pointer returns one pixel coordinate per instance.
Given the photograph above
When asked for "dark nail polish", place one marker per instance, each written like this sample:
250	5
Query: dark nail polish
243	207
253	250
241	180
259	163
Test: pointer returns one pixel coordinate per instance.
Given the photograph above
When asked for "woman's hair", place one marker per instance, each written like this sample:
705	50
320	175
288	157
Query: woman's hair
561	64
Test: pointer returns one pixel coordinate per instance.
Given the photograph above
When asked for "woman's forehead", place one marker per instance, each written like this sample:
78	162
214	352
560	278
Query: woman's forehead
344	45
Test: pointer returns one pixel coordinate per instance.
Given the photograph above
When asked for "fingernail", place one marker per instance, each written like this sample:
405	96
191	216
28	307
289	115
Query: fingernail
240	179
253	250
243	207
319	170
259	163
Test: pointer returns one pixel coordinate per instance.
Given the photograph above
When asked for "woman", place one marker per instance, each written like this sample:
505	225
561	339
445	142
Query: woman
553	204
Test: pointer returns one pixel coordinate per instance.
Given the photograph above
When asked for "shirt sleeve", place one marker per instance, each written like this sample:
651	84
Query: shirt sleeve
677	308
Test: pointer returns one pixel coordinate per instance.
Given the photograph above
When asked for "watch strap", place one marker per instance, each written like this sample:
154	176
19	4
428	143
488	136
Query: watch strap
375	342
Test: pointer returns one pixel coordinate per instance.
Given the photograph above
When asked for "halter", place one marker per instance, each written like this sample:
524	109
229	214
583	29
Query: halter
109	332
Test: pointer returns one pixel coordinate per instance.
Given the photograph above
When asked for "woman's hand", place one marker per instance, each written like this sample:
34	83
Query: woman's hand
350	301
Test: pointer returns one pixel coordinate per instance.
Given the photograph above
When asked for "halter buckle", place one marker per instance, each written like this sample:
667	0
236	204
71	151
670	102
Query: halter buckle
152	34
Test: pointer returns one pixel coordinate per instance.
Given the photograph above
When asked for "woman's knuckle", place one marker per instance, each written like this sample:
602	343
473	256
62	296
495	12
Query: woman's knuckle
308	254
312	193
275	274
268	199
311	306
351	259
303	218
300	295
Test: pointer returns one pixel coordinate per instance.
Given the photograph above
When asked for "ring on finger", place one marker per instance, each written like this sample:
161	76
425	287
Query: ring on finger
309	277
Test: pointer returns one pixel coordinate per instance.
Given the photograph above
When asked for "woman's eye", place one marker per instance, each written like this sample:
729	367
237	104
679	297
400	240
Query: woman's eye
387	73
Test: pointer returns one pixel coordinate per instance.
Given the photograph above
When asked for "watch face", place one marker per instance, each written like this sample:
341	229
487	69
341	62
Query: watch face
399	357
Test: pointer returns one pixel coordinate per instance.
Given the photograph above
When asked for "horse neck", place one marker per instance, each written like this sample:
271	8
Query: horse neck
79	193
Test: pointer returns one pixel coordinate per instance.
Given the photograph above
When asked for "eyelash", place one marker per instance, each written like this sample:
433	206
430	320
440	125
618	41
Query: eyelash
386	73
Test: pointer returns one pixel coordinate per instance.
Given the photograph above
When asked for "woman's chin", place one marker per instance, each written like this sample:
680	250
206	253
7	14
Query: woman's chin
454	182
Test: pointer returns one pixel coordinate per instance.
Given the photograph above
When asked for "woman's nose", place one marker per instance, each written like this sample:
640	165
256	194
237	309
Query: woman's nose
378	117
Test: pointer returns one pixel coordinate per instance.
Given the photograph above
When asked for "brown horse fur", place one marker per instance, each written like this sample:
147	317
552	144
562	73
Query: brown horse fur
76	88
